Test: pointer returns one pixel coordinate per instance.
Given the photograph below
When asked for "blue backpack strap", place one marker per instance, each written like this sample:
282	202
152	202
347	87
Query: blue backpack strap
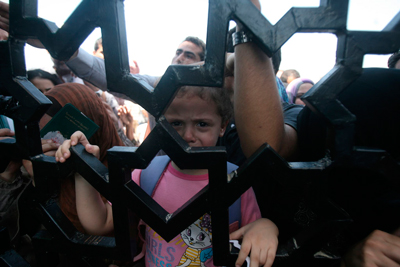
152	174
235	213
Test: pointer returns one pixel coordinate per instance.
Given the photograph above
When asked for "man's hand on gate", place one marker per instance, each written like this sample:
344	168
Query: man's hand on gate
5	24
378	249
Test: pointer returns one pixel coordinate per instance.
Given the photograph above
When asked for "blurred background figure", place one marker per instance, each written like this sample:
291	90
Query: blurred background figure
288	76
64	72
98	48
393	62
43	80
98	52
134	69
297	88
134	119
130	115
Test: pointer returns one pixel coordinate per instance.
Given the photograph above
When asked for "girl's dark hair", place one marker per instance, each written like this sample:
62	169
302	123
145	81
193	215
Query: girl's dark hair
32	74
219	96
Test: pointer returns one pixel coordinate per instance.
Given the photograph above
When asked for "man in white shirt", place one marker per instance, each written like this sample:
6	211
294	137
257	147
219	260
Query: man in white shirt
92	69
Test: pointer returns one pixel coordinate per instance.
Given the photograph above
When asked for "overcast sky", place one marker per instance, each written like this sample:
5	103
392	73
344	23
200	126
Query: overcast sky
156	27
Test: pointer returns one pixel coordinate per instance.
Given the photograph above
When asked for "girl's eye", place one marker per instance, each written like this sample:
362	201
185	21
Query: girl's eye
188	232
201	237
202	124
175	123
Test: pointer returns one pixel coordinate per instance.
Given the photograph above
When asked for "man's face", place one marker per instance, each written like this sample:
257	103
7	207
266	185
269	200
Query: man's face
187	53
99	52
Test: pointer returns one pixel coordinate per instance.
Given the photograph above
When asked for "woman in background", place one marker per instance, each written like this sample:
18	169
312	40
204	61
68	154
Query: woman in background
43	80
297	88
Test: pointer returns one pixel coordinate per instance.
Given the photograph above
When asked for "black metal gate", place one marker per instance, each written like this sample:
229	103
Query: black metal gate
21	101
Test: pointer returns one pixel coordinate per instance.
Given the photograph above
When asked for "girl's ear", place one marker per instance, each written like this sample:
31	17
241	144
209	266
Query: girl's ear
223	128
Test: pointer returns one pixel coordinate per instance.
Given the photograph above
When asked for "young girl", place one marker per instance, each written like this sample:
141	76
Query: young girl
200	116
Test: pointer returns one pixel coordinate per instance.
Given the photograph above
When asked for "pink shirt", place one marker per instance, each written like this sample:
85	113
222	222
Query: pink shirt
193	245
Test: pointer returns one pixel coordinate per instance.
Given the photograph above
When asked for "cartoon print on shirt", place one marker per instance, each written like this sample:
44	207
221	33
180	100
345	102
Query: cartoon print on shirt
197	237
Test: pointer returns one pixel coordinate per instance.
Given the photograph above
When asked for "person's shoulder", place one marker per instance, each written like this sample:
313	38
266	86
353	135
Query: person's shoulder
287	106
151	80
291	110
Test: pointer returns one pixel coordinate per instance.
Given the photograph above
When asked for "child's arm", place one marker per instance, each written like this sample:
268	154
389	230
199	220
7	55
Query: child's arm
94	215
261	239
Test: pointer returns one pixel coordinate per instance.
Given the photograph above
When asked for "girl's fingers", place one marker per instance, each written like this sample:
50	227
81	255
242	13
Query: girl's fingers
255	258
95	150
63	151
238	234
79	137
271	257
243	253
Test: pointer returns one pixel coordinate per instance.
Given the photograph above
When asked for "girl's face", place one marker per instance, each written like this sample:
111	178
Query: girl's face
196	120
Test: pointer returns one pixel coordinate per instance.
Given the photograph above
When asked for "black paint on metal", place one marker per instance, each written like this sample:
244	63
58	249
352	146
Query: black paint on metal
22	102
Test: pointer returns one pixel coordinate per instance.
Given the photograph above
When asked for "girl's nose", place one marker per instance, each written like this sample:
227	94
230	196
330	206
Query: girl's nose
189	135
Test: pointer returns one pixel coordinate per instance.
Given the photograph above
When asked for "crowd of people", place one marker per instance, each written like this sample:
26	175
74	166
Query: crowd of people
258	104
